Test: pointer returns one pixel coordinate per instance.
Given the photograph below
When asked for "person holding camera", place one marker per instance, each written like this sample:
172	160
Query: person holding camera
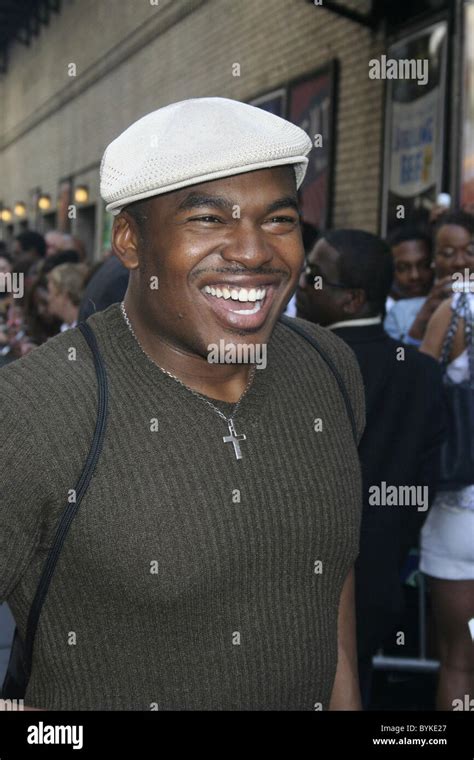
453	251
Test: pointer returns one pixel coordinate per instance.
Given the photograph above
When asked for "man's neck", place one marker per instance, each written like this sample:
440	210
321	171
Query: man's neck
222	382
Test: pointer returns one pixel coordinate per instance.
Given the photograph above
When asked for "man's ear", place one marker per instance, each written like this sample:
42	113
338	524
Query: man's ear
356	300
125	240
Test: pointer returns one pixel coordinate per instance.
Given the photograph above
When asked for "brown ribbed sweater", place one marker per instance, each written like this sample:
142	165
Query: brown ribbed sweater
188	578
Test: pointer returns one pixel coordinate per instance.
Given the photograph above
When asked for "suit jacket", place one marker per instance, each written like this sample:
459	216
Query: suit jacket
106	286
405	424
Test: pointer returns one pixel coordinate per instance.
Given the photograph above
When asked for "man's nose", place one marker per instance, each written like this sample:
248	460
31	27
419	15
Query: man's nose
248	246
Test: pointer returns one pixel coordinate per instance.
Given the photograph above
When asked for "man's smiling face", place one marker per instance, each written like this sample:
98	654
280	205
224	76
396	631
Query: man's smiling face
227	255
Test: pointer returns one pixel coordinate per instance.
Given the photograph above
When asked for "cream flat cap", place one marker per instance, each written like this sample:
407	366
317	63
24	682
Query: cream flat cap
195	141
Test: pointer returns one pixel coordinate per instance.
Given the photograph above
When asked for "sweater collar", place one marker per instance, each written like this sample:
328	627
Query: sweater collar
126	348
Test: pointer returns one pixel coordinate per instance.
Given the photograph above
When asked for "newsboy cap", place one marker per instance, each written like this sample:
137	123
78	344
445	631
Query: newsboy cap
195	141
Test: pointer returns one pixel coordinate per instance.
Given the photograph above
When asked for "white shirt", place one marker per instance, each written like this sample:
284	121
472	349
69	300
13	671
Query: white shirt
357	322
65	326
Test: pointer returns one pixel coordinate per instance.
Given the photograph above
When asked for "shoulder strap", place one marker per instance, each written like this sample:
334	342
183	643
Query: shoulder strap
460	310
81	487
468	328
298	329
449	337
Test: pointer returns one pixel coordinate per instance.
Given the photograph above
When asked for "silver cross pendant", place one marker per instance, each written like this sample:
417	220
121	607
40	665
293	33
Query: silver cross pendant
234	439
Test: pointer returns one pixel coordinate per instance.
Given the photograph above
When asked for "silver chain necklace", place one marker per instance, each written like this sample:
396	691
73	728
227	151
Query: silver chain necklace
233	437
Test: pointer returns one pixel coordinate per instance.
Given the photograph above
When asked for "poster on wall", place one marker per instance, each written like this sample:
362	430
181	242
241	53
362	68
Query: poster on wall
312	107
415	69
467	155
274	102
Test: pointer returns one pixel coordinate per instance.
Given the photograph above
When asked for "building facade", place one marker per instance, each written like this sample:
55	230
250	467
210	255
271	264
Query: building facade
98	65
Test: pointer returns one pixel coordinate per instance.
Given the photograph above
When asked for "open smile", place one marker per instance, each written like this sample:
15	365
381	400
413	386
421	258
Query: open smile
239	307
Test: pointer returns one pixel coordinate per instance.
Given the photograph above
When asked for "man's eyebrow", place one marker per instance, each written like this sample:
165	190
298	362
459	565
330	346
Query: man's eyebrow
289	201
197	200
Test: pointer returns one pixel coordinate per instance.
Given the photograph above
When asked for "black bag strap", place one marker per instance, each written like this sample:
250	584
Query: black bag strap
81	487
289	322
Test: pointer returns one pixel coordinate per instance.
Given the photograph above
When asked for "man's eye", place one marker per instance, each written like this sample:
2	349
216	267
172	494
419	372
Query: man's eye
204	219
283	220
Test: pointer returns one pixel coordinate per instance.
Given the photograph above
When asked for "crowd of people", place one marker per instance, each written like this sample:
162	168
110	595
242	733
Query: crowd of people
54	274
415	291
410	291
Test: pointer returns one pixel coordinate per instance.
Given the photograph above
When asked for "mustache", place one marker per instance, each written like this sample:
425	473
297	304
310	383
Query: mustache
239	270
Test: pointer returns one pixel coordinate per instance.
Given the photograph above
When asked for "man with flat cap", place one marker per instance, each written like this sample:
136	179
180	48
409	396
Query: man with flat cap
209	564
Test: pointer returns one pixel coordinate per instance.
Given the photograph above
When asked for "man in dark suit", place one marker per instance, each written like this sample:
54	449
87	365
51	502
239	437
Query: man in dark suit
344	287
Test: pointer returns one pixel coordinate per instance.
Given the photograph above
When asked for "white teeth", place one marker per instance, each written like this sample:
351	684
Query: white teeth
256	308
237	294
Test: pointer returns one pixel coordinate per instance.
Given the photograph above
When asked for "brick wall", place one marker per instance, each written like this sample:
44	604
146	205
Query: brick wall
131	57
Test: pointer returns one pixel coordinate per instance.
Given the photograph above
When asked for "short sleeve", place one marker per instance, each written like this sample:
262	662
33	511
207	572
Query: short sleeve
24	491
